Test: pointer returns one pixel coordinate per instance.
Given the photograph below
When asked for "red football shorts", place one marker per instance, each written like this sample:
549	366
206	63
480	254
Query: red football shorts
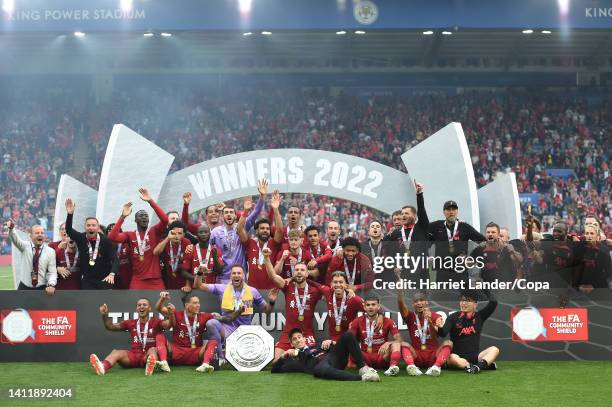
136	359
284	343
185	356
375	360
148	284
425	358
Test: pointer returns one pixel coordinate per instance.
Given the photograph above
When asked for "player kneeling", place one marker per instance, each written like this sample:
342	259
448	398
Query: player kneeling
143	331
188	326
327	361
376	350
465	328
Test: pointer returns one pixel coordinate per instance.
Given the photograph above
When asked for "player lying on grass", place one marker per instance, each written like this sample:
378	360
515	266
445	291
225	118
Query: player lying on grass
188	326
143	331
423	350
465	328
327	361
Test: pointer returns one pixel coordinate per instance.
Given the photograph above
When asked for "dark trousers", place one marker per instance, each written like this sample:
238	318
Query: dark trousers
87	284
333	364
22	286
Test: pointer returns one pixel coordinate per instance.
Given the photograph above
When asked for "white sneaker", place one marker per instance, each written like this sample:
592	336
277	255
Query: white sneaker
433	371
370	376
392	371
367	369
413	370
96	364
205	368
163	365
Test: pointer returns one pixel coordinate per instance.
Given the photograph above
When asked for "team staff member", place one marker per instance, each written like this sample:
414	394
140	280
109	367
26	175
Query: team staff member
146	271
36	269
465	328
325	362
451	238
412	236
501	261
97	256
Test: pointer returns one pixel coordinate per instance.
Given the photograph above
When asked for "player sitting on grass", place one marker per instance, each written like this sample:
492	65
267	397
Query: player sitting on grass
465	328
423	351
327	361
189	325
143	331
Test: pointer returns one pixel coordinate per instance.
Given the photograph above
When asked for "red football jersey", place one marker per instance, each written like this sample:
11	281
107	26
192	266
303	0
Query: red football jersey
363	273
125	266
180	334
74	281
353	306
303	255
258	277
431	341
191	262
292	311
153	329
174	278
358	328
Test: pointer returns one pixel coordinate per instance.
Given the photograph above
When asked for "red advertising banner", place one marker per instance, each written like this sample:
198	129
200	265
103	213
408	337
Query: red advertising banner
549	324
44	326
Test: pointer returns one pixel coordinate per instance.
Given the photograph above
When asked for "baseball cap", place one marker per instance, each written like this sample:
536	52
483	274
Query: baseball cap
450	204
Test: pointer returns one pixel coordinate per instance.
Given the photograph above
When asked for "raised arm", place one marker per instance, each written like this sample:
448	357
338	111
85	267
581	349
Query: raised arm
275	278
107	321
423	220
474	235
20	244
163	218
191	227
490	307
243	234
278	219
262	187
401	303
114	234
161	246
170	320
160	304
70	207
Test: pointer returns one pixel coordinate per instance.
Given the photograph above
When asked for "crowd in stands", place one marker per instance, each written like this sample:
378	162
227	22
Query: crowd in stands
524	132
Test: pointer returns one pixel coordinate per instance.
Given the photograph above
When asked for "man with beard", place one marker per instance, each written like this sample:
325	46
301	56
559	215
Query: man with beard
212	215
354	264
258	277
397	218
201	260
412	236
465	328
36	267
232	296
172	251
226	238
291	255
143	331
301	298
332	234
595	269
500	260
422	350
146	272
557	262
319	250
96	252
188	327
69	276
451	237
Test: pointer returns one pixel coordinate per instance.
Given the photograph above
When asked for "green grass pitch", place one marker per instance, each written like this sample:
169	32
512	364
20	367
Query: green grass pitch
6	278
514	384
